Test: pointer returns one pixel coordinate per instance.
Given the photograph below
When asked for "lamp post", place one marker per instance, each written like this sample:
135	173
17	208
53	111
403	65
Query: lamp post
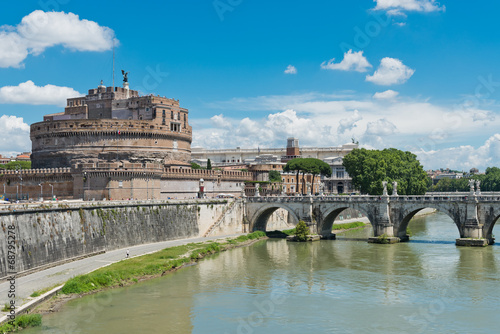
84	181
4	194
17	192
52	188
41	190
18	171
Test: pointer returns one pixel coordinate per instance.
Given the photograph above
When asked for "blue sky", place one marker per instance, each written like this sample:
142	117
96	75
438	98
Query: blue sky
418	75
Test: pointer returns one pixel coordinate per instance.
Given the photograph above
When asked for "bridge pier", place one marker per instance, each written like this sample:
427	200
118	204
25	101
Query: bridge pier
472	235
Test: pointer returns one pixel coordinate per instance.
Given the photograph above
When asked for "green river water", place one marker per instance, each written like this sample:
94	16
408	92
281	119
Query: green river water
427	285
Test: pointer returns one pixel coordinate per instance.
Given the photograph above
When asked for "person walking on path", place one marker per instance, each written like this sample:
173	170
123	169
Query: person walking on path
127	253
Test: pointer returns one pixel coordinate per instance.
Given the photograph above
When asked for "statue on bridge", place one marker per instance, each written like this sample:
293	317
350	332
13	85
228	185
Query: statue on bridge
384	184
471	186
478	189
257	194
394	188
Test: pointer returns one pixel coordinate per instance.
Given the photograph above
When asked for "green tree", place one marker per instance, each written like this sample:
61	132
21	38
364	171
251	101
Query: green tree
368	168
294	165
195	166
307	166
301	231
274	176
209	164
12	165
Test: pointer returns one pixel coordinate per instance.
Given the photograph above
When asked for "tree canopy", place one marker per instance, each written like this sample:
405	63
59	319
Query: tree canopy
308	166
368	168
12	165
490	181
274	176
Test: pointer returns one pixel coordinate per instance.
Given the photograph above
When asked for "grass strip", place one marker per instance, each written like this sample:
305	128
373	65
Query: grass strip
347	226
21	322
127	271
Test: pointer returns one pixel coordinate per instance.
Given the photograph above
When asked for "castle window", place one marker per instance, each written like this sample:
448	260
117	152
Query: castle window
163	121
171	114
120	184
163	112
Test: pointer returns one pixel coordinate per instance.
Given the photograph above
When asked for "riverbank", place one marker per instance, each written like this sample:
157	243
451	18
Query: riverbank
134	270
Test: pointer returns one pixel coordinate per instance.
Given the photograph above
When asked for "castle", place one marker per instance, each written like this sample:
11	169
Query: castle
115	144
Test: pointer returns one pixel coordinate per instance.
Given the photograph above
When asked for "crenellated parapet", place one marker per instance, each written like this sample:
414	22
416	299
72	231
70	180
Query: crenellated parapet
196	174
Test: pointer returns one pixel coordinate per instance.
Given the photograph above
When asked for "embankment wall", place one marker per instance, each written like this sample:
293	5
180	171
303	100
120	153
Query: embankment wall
50	233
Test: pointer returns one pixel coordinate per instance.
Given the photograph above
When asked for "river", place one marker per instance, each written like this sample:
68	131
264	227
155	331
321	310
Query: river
427	285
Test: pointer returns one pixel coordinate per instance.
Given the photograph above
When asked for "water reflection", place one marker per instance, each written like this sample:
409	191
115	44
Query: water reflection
345	286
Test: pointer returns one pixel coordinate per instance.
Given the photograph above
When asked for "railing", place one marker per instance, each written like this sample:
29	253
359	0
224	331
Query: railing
483	197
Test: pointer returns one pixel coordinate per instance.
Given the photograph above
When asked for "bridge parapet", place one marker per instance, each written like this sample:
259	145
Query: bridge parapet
474	214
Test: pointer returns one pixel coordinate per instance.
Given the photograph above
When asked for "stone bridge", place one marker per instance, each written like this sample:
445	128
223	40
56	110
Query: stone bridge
473	214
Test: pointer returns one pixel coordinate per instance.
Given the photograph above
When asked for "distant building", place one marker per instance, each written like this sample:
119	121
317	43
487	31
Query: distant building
221	157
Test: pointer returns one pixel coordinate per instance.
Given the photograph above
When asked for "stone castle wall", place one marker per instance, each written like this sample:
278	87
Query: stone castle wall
65	142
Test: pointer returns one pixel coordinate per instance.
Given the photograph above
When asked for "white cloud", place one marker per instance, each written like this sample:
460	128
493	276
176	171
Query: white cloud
220	122
13	50
349	123
386	95
290	69
464	157
353	61
28	93
40	30
397	7
323	120
380	127
390	71
15	135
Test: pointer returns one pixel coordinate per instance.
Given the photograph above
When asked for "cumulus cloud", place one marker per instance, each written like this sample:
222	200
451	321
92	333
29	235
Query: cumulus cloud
380	127
290	69
398	7
349	123
15	135
28	93
390	71
415	125
463	157
220	122
353	61
40	30
386	95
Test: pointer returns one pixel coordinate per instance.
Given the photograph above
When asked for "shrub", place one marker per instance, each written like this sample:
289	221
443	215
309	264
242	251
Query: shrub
301	231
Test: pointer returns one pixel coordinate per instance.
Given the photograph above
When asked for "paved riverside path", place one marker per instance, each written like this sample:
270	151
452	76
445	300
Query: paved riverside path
26	285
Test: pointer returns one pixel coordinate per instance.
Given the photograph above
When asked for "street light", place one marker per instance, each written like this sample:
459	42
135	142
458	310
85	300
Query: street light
84	181
52	187
18	171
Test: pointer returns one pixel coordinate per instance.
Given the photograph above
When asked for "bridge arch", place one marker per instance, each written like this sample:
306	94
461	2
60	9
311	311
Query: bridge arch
491	217
258	221
330	214
403	219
